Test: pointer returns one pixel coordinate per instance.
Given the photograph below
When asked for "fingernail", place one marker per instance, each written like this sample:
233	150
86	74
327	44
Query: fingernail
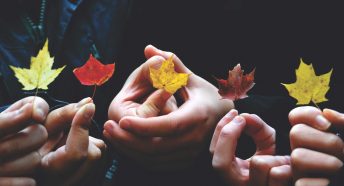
229	114
322	122
108	127
83	102
40	113
88	110
238	120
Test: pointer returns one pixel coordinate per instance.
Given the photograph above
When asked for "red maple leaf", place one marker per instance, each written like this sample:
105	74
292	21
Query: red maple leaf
237	84
93	72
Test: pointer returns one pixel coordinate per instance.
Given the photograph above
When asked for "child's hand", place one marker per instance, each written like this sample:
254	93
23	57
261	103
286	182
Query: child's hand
169	140
70	155
315	151
262	168
21	135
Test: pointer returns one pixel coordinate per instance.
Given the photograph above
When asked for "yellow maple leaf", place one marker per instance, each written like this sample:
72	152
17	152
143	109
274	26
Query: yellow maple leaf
308	86
40	74
166	78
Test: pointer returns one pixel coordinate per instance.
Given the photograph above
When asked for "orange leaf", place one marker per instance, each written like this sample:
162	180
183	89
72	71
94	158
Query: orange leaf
237	84
94	72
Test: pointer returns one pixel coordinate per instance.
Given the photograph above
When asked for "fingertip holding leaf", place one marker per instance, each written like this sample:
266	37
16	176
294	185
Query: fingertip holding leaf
167	78
93	72
237	84
308	86
40	74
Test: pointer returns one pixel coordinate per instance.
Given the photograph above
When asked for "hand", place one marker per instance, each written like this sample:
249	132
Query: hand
262	168
173	139
316	153
21	135
74	154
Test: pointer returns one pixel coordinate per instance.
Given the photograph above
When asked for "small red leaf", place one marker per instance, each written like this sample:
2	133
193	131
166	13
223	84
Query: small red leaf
237	84
94	72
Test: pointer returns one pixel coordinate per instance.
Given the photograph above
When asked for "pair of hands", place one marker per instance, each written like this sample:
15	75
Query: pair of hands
148	125
316	153
27	146
263	168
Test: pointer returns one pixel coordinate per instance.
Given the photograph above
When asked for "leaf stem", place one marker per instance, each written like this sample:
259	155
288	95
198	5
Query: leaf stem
316	105
94	91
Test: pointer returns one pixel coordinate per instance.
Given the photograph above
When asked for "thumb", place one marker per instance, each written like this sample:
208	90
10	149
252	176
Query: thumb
154	104
151	51
77	140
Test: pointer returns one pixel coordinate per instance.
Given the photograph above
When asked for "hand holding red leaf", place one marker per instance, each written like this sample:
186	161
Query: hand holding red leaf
93	72
237	85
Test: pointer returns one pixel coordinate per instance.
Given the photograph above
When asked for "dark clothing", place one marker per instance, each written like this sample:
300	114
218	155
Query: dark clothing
209	36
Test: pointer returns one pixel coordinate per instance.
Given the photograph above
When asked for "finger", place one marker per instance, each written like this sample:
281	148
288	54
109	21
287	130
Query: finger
22	166
17	181
151	51
310	116
260	166
61	118
154	104
76	148
39	110
262	134
94	155
23	142
77	140
98	143
153	147
225	148
174	123
51	143
312	182
280	176
171	105
307	137
225	120
336	118
307	162
137	86
15	121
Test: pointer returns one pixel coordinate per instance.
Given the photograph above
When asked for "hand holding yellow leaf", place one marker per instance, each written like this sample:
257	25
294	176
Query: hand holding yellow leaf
40	74
166	78
308	86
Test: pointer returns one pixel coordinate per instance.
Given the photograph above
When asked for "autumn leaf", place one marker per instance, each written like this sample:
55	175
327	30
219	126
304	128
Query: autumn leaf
167	78
40	74
308	86
237	84
94	73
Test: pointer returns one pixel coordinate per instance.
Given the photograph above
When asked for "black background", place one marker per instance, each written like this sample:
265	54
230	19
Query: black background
212	36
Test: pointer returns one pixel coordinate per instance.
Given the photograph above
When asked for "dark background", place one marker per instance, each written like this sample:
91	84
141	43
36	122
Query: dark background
212	36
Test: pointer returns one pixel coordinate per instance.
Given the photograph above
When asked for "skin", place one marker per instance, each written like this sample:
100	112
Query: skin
22	134
316	153
71	155
26	149
153	131
263	168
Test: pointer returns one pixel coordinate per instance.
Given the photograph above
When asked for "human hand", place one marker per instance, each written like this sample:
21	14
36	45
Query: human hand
316	153
262	168
74	154
174	138
21	135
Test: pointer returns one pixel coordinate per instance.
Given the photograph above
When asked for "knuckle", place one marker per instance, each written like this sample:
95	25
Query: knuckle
41	131
78	156
94	155
297	156
296	131
257	161
218	164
